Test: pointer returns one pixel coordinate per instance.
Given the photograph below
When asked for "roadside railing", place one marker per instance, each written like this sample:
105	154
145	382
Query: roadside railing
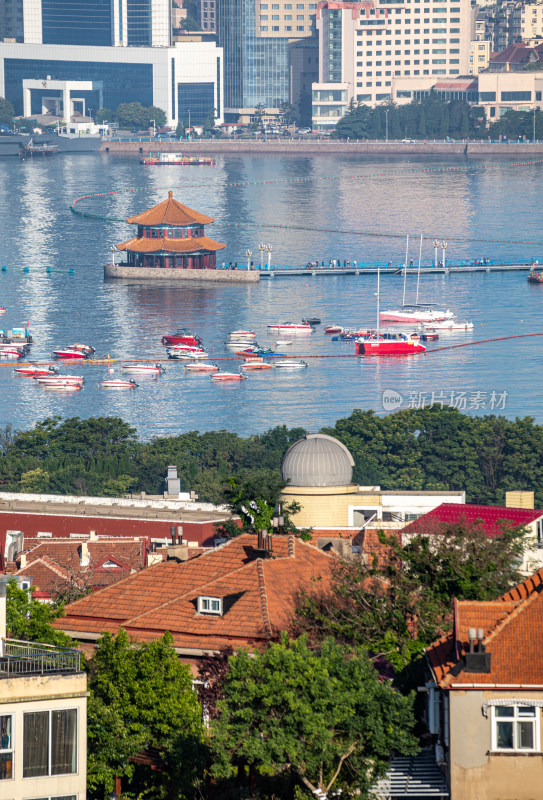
32	658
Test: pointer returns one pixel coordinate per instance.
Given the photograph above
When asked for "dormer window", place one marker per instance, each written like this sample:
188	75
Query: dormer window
210	605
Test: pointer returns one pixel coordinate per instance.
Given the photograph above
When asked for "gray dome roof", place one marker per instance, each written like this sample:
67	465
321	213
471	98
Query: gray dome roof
317	460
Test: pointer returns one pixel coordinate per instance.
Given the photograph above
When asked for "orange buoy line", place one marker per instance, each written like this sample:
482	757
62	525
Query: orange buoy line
122	361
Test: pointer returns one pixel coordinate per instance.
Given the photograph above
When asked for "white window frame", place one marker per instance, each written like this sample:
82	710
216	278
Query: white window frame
49	755
210	605
5	750
515	719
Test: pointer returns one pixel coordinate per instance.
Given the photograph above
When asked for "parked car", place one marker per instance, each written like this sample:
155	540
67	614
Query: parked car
303	131
409	141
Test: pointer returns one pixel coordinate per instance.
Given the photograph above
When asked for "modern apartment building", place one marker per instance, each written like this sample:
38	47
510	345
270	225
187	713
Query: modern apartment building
44	78
208	16
364	47
479	56
43	720
257	38
11	20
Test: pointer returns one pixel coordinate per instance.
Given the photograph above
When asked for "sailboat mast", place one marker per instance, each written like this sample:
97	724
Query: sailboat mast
418	276
378	288
405	268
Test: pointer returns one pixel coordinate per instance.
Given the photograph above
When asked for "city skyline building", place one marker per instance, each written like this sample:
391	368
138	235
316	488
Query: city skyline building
257	38
181	80
364	48
101	23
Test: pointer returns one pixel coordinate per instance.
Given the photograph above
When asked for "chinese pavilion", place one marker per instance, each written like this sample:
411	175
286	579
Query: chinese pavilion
171	235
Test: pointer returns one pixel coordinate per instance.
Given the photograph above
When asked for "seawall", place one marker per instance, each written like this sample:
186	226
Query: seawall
180	275
285	145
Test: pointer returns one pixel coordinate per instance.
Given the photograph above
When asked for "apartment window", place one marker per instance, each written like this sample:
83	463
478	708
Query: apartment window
263	27
359	74
439	51
538	96
439	61
299	16
512	96
6	747
378	73
288	16
275	6
264	17
299	5
378	63
455	41
369	63
264	6
407	61
275	16
439	72
408	72
425	71
397	63
312	6
49	743
515	728
210	605
388	72
368	83
456	50
416	72
363	97
288	5
288	27
426	52
275	27
299	27
416	61
455	61
388	63
378	83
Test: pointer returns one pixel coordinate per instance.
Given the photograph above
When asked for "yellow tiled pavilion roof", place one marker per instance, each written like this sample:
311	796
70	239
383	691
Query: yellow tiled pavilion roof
190	245
171	212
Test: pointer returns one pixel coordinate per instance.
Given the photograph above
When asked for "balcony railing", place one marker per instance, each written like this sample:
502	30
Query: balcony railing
33	658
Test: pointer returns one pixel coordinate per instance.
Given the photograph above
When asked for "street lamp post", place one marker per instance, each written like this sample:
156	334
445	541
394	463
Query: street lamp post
262	248
443	248
386	124
436	245
534	126
249	253
154	127
269	249
278	520
113	255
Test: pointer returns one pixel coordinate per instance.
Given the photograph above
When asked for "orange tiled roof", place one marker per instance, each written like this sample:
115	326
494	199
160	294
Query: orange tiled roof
512	627
171	212
190	245
258	596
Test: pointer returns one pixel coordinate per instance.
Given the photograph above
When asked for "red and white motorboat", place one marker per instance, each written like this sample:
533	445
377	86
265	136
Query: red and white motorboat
387	345
333	329
255	366
241	336
183	348
117	383
11	354
64	387
36	371
228	377
69	353
203	368
60	379
421	312
144	369
197	355
83	348
291	327
182	336
2	310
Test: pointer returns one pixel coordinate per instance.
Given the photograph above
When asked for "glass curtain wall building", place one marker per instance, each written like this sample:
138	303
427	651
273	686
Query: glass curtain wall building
256	68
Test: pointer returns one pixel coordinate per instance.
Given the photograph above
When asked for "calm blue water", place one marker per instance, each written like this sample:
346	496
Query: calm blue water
128	320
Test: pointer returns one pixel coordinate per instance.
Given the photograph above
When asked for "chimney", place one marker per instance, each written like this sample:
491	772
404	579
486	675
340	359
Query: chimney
480	637
22	560
180	534
178	552
84	557
264	545
92	536
472	636
477	660
173	534
172	483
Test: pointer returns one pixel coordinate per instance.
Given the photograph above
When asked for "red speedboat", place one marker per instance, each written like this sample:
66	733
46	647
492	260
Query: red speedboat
182	336
36	371
69	352
381	346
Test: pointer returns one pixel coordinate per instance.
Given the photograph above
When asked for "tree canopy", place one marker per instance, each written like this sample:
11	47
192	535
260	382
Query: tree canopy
144	721
396	605
6	111
134	115
322	716
30	620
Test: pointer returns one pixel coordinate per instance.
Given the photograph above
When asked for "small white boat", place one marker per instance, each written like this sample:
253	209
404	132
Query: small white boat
203	368
64	387
287	363
418	312
118	383
83	348
237	336
55	380
291	327
283	342
239	344
227	377
198	354
256	366
180	356
10	354
144	369
183	348
448	325
34	371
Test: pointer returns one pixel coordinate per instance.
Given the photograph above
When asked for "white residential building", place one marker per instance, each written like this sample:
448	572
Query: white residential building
363	47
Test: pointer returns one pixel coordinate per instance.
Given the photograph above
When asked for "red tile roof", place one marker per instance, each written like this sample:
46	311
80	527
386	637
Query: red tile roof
192	244
490	518
512	627
171	212
258	596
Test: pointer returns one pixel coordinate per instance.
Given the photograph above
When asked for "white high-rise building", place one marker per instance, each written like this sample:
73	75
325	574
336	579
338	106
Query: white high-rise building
365	47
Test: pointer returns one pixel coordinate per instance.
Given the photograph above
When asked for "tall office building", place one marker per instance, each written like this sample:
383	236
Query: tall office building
101	23
365	49
256	38
11	20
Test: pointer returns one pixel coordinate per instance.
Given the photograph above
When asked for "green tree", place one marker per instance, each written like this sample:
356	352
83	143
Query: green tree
35	480
6	111
397	607
104	115
142	702
30	620
322	715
